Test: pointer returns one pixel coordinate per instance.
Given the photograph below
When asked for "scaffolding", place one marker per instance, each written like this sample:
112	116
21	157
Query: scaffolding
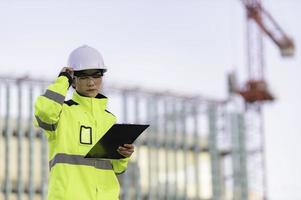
194	149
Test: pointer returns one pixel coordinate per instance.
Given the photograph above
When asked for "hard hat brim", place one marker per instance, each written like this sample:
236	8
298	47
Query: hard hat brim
101	69
88	72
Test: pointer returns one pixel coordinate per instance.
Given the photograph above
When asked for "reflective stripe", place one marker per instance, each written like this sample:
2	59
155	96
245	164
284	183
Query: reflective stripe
54	96
45	126
79	160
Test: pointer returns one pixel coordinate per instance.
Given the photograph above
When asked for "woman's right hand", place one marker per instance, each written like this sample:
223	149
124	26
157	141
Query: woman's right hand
69	70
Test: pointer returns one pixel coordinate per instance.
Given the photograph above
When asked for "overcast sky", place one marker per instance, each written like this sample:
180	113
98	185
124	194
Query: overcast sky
185	46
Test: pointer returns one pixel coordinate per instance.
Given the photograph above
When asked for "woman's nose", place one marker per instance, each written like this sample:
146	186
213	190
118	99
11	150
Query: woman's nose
90	81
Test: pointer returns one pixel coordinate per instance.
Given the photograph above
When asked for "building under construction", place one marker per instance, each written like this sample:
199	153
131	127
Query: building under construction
195	147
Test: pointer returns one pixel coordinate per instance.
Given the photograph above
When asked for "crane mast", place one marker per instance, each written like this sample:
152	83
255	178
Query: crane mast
255	91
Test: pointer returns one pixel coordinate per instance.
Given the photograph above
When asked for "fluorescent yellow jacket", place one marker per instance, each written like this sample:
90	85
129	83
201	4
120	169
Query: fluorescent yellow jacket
72	128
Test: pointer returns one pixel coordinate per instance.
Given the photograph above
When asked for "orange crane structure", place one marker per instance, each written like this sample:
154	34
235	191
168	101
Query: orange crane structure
259	23
255	92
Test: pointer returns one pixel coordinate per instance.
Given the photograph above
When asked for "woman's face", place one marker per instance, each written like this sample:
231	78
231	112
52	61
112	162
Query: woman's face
88	83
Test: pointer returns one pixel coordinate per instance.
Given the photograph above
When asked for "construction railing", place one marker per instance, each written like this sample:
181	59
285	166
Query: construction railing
193	149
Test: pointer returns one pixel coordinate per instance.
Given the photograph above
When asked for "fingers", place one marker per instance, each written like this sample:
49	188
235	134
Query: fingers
126	150
67	69
130	146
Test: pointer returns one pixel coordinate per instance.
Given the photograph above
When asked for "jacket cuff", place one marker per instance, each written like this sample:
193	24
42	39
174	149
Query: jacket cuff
68	76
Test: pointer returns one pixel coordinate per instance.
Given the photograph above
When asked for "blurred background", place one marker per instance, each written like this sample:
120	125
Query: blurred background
218	80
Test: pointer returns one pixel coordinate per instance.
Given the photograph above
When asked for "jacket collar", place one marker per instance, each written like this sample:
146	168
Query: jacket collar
92	104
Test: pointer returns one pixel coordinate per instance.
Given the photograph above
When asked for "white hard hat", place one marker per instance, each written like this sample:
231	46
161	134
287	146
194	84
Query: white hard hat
85	57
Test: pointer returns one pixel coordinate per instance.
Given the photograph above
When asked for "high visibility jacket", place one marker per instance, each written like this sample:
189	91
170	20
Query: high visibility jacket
72	128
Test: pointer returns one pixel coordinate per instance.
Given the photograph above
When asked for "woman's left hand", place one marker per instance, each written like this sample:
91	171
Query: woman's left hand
126	150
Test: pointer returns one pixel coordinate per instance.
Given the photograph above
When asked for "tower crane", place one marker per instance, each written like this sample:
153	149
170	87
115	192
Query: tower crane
259	23
255	91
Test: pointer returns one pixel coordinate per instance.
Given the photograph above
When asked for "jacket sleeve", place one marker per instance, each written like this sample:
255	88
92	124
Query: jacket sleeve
120	165
49	105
